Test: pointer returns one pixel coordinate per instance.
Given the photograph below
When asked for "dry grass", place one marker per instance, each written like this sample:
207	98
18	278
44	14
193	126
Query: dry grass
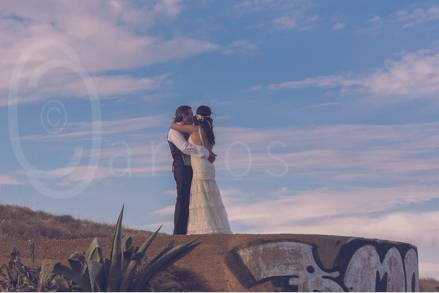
24	223
429	285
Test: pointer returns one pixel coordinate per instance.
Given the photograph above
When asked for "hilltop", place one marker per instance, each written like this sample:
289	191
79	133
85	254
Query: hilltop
60	235
23	223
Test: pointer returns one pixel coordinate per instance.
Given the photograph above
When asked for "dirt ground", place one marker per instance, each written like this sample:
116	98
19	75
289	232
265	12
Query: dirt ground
205	265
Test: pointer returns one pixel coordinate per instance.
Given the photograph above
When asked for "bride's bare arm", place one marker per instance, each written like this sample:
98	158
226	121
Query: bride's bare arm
184	128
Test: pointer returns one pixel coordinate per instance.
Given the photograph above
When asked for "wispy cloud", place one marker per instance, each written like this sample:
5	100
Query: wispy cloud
327	81
69	86
414	75
406	18
339	154
280	15
66	176
318	204
87	32
7	180
338	25
115	85
242	47
409	18
84	130
295	22
126	150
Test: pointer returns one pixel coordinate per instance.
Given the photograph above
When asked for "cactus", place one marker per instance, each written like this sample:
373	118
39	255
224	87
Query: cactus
15	276
126	269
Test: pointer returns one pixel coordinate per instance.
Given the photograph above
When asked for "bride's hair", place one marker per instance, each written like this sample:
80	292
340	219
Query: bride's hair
203	119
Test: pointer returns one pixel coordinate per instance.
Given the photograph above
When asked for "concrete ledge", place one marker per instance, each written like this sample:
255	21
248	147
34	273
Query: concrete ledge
270	262
358	265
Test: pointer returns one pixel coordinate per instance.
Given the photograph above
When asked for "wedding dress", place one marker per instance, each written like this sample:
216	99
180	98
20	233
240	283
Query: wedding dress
207	214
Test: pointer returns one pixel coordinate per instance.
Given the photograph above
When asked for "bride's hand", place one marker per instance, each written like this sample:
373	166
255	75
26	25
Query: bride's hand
212	157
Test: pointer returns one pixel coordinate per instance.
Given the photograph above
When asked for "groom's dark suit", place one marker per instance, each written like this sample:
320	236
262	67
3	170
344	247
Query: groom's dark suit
183	177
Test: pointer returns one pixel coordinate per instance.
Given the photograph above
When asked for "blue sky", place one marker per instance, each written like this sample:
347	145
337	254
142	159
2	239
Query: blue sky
325	112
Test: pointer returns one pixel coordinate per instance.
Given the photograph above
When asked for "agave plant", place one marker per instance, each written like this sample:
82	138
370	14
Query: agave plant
15	276
126	269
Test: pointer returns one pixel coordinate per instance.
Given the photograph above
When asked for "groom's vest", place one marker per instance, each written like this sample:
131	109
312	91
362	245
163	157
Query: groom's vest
180	159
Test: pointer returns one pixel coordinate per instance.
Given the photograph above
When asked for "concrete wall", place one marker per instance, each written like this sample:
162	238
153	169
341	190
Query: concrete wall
277	262
357	265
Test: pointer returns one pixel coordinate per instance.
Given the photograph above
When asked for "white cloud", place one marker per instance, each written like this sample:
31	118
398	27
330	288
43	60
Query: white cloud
331	154
338	25
414	75
284	22
166	211
66	85
374	23
326	81
124	153
339	154
84	130
295	22
410	18
7	180
342	154
242	47
102	35
73	174
319	204
406	18
249	6
281	14
115	85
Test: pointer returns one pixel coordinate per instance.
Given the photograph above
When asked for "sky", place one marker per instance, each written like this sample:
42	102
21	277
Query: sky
325	112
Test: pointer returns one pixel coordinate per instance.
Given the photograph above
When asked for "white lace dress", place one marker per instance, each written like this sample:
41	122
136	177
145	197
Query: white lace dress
207	214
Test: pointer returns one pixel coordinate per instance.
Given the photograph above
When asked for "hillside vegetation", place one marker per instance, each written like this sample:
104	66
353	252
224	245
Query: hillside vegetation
24	223
429	285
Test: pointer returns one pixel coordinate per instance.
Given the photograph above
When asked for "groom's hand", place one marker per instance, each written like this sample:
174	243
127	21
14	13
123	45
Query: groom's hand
212	157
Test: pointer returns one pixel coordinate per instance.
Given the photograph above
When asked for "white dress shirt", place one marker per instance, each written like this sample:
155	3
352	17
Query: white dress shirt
185	147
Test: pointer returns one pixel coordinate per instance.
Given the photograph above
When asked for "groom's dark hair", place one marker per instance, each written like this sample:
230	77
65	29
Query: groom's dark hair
181	110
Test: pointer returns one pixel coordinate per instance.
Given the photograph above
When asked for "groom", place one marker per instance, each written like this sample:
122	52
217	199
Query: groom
181	151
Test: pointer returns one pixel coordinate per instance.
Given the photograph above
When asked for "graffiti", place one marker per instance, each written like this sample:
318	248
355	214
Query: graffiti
411	270
360	265
366	272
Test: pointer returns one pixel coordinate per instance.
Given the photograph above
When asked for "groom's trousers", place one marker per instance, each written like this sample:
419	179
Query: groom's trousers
183	178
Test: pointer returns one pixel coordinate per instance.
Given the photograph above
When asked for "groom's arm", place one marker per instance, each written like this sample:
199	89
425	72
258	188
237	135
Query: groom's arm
187	148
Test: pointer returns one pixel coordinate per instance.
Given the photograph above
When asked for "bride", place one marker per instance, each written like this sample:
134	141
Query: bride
207	214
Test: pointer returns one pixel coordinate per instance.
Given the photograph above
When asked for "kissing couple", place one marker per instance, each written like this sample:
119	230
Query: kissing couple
199	208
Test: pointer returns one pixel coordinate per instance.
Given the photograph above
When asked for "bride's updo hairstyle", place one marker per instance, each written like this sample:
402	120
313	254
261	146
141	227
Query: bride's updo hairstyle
204	120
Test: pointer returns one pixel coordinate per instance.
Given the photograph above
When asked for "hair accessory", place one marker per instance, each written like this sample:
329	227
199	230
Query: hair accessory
201	117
